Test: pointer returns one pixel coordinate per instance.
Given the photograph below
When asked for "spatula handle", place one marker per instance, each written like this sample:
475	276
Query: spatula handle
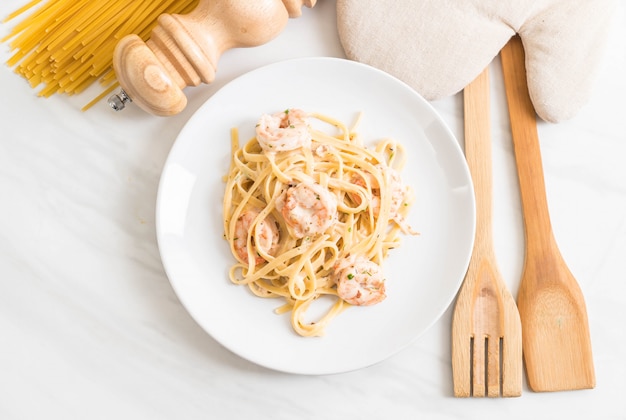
526	144
183	50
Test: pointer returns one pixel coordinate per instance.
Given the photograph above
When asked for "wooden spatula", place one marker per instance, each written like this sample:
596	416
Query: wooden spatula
556	341
486	329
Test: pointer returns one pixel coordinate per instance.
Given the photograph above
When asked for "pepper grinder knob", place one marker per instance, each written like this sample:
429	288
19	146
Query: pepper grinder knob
183	50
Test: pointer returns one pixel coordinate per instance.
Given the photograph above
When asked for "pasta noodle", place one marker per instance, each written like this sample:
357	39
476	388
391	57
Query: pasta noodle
67	45
313	217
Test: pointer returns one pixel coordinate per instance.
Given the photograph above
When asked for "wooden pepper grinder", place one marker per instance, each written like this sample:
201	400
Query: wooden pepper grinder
183	50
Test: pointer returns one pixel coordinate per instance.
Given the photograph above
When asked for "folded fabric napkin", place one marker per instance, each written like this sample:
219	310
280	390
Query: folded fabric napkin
439	46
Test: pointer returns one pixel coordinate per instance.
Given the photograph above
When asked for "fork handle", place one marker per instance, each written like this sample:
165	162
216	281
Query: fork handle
477	133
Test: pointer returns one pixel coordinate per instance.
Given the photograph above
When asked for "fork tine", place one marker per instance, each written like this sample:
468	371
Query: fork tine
512	368
493	366
461	365
478	367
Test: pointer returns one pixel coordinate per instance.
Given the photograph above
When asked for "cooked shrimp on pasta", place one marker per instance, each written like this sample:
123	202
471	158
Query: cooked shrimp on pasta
312	213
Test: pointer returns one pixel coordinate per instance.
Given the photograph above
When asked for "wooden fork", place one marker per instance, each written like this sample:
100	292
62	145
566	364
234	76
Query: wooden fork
486	329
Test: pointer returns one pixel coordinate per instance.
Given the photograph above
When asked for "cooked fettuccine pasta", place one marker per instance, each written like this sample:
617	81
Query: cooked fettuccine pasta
311	212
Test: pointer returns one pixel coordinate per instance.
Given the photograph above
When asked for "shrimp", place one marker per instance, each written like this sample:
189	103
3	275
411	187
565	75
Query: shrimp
283	131
308	208
359	281
265	235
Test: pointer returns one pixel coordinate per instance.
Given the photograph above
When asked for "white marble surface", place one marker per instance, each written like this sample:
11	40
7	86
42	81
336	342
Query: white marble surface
91	329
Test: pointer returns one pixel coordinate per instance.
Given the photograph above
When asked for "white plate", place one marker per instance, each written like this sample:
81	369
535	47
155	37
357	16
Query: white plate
423	275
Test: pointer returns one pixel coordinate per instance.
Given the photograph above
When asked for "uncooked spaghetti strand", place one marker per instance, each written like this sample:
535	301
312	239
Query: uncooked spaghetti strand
101	96
21	10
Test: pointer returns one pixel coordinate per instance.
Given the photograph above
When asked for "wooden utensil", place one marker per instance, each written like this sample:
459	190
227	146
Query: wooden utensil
486	330
183	50
556	342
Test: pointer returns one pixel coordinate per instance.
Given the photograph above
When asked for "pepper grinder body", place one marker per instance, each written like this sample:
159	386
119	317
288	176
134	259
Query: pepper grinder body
183	50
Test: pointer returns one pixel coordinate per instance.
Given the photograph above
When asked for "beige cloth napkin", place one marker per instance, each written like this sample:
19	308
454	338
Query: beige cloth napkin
439	46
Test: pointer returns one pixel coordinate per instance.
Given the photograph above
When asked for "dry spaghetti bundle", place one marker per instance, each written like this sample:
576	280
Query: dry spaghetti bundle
66	45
